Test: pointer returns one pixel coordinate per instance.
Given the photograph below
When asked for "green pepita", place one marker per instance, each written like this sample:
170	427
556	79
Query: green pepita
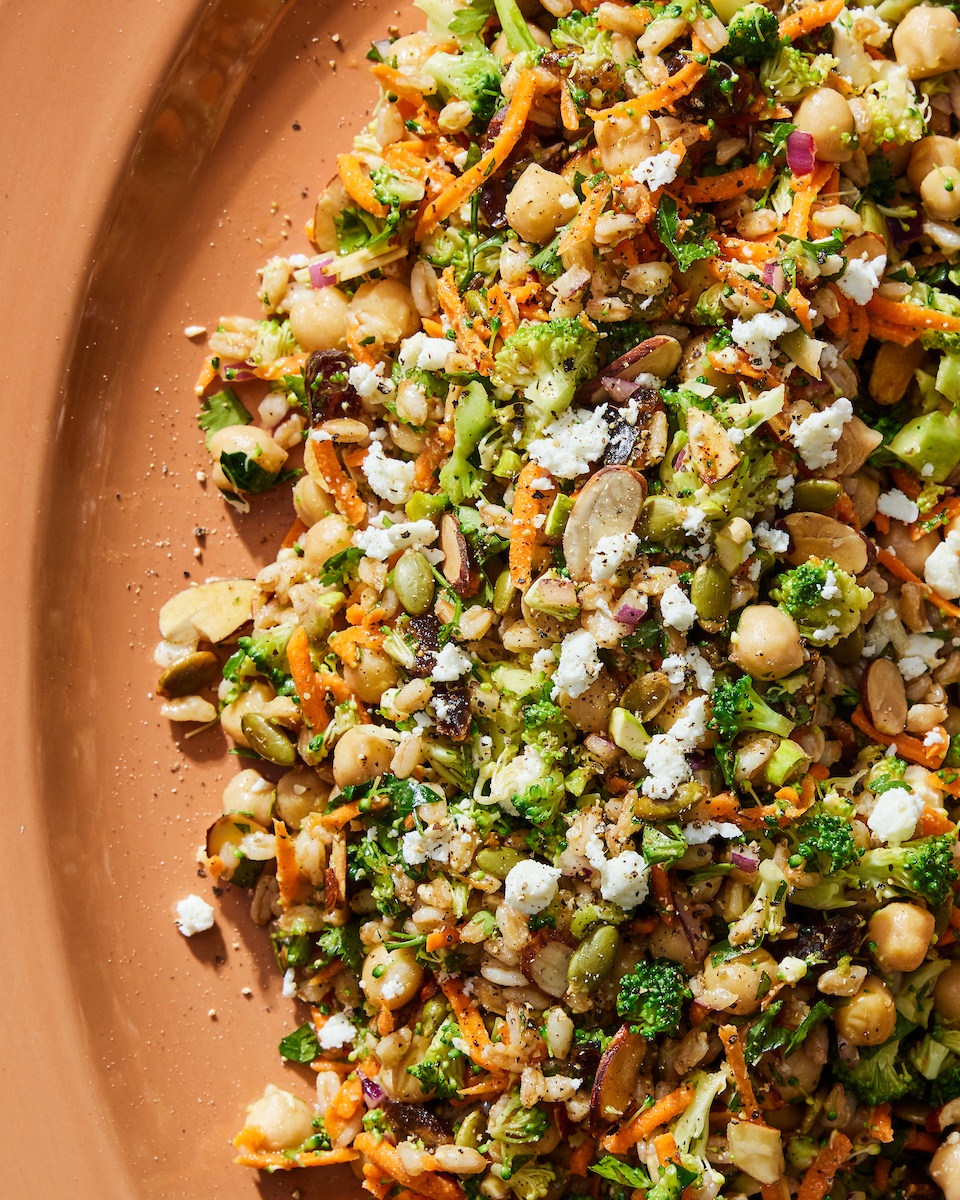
815	495
660	519
503	593
413	582
498	863
711	593
188	675
593	959
266	739
646	696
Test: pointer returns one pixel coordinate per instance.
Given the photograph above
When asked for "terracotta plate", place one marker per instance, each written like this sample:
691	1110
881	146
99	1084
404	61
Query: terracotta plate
154	153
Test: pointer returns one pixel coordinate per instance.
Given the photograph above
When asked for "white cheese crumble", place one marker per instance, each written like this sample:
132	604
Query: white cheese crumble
942	568
777	541
543	662
336	1032
815	436
700	832
368	381
379	542
436	841
624	879
289	989
898	505
194	915
676	608
389	478
579	664
862	278
531	886
830	590
757	334
451	664
895	815
667	767
571	443
610	553
658	170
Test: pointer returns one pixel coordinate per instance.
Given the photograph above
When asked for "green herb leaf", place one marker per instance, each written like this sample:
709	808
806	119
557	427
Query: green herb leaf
247	475
301	1046
220	410
620	1172
339	564
343	942
686	244
470	20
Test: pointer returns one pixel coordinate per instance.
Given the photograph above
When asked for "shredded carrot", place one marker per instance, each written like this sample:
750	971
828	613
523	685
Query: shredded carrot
581	1157
495	1083
293	534
914	316
708	189
340	486
358	185
723	807
753	289
676	87
809	18
649	1119
665	1148
906	746
879	1123
510	133
434	452
343	1107
906	481
278	1160
747	251
208	373
885	331
733	1045
839	325
918	1139
568	110
385	1022
472	334
882	522
881	1173
347	645
948	509
442	939
305	680
288	870
528	504
662	894
468	1018
388	1159
580	230
934	821
819	1176
859	330
808	188
897	567
327	972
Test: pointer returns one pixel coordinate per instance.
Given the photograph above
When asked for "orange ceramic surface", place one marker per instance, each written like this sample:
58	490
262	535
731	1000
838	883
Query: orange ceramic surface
154	153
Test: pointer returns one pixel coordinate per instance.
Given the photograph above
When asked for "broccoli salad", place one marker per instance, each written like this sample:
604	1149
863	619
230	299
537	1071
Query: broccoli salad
598	717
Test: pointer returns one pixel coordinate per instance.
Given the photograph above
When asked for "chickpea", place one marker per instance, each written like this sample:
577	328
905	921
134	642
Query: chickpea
928	153
299	793
372	676
384	309
284	1119
362	753
327	537
310	502
743	977
940	193
252	441
864	492
257	696
913	554
802	1069
318	320
945	1170
927	41
901	933
767	643
946	995
249	793
669	941
391	978
827	116
539	204
622	142
869	1018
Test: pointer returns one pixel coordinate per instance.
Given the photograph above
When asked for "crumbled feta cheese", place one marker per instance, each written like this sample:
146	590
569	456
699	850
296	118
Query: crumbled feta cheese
862	278
658	170
826	634
936	739
434	353
757	334
898	505
698	833
777	541
830	591
666	766
379	542
911	667
579	664
451	664
942	568
689	730
785	488
572	442
610	553
695	524
702	671
436	841
674	666
336	1032
368	381
815	436
895	815
543	662
531	886
676	608
389	478
624	879
393	988
194	915
289	989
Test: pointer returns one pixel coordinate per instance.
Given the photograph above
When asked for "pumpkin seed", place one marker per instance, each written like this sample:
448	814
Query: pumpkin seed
188	674
503	592
849	649
711	593
647	695
413	582
266	739
498	863
593	959
660	519
471	1129
816	495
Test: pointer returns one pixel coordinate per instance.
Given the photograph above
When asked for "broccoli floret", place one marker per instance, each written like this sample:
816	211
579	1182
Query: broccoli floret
923	868
652	995
825	601
546	361
754	34
895	110
737	707
268	654
474	76
532	1181
946	1086
274	340
790	73
877	1077
472	417
441	1070
828	838
372	863
767	913
515	1125
581	32
393	189
542	801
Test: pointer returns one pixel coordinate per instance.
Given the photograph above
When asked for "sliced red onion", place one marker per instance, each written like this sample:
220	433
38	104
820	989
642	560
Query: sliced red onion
902	233
801	152
774	277
317	277
373	1093
629	614
619	390
692	928
743	861
570	283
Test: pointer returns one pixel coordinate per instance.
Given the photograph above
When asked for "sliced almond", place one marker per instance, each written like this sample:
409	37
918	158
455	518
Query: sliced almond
590	711
713	454
658	356
457	569
544	960
609	504
616	1080
885	697
210	611
893	370
814	535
